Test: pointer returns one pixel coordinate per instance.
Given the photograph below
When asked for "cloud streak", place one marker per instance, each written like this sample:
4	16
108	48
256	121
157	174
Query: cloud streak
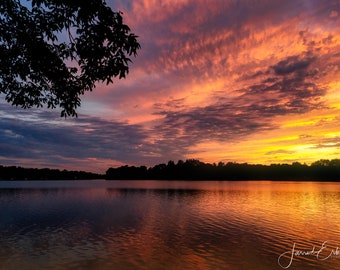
224	80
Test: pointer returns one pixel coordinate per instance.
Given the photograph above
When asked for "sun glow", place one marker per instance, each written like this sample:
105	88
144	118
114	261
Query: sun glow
252	81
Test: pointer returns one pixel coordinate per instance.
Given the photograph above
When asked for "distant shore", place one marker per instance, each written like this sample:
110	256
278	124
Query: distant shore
19	173
191	169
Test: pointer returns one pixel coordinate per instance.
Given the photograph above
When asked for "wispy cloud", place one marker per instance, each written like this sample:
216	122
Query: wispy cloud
221	80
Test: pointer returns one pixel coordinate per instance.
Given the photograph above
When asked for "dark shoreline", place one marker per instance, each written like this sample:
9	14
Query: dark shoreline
323	170
190	170
13	173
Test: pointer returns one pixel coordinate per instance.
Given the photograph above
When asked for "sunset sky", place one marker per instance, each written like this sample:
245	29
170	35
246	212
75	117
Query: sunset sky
254	81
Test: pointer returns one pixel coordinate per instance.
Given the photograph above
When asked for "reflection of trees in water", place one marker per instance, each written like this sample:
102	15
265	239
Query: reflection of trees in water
160	192
162	224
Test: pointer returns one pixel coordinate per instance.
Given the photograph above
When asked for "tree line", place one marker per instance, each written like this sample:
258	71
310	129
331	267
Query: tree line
193	169
19	173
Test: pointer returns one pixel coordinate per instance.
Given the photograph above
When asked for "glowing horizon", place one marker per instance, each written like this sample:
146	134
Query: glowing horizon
218	81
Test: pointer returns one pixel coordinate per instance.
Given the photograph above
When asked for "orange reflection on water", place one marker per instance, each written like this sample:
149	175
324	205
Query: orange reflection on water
275	214
171	225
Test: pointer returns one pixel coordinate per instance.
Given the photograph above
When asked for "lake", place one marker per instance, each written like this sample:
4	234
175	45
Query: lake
102	224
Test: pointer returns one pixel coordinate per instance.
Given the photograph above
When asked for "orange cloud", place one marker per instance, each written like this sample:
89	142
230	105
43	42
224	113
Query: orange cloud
248	81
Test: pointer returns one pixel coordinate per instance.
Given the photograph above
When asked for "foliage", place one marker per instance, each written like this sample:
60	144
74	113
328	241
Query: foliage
192	169
19	173
53	51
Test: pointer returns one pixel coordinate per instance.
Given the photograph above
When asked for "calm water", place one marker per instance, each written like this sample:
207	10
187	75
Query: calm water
169	225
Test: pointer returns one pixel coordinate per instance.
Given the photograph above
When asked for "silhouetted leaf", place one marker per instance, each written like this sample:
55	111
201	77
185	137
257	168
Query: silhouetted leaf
34	64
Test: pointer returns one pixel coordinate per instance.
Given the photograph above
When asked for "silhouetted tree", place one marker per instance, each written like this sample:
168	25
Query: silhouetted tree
326	169
193	169
19	173
127	173
52	51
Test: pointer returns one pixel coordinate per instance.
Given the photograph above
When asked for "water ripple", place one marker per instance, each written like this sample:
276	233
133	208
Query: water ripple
221	226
